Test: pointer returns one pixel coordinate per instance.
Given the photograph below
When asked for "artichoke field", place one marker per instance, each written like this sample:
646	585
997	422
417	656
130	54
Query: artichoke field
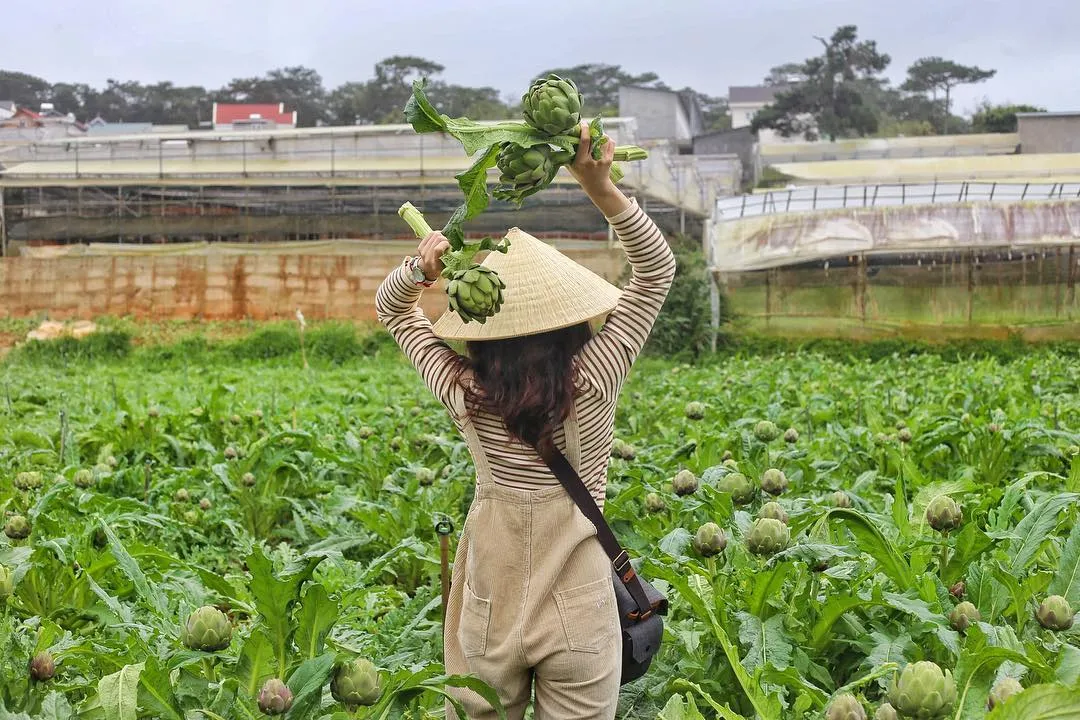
818	565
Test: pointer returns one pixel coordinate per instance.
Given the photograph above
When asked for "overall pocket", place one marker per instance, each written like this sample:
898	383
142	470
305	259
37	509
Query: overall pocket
588	614
475	617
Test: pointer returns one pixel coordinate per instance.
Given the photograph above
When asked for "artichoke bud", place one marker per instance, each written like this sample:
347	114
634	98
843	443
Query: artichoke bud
27	480
207	629
774	481
710	539
922	690
845	707
425	476
83	478
275	697
736	485
17	527
654	503
42	667
356	683
475	293
767	536
684	483
944	514
963	615
552	105
791	435
1003	689
766	431
1055	613
695	410
886	712
773	510
840	499
622	450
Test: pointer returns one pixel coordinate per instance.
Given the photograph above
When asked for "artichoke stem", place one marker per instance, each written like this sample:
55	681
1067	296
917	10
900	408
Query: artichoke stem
944	555
415	220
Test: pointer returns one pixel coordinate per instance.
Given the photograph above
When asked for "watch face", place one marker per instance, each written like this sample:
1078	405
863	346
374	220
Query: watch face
417	273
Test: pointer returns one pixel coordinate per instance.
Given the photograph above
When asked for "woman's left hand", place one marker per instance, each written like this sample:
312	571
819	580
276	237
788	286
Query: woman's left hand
431	250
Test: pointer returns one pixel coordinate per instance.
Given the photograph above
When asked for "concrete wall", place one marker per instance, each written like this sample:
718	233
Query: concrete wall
659	114
739	142
1049	133
227	286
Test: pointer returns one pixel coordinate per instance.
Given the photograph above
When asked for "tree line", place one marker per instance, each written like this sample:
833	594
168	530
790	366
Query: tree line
379	99
840	93
843	93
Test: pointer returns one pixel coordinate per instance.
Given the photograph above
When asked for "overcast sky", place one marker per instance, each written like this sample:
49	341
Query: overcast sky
709	45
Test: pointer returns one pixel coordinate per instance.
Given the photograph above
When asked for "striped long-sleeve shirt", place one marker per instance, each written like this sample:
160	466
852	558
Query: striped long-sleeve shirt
603	363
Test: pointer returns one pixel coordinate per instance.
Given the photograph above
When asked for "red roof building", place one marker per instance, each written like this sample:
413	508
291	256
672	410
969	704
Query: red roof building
243	116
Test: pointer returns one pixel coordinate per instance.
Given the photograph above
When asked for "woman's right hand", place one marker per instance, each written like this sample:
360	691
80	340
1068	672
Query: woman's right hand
594	176
431	250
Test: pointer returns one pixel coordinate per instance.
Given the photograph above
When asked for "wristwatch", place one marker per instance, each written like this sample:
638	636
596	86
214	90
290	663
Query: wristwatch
412	265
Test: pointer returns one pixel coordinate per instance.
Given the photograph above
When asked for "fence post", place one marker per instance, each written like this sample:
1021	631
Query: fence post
971	284
3	226
1057	281
1071	277
768	295
861	287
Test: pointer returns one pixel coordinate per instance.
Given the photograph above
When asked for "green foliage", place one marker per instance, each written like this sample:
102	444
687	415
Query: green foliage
109	344
829	101
999	118
934	74
684	327
329	553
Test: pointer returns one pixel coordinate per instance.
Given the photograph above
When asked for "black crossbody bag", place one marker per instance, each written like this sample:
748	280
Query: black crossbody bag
640	604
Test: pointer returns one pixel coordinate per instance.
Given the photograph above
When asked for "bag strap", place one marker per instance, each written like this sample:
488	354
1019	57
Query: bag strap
581	496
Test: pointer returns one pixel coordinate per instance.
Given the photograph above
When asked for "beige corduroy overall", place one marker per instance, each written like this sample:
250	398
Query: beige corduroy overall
531	599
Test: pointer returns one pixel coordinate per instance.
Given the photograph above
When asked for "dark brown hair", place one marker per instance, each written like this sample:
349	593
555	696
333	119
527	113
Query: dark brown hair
530	382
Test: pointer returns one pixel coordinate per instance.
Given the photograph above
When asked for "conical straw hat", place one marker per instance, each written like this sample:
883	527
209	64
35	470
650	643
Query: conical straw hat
545	290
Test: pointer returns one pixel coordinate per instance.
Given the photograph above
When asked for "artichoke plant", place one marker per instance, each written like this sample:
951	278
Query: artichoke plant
684	483
774	481
248	479
182	495
207	629
83	478
654	503
275	697
845	707
767	536
7	582
904	435
737	486
710	539
944	514
886	712
1055	613
922	691
42	666
552	105
356	683
773	510
695	410
963	615
791	435
17	527
1003	689
766	431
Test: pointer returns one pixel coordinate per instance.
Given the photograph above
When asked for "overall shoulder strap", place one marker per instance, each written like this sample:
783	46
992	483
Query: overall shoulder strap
472	439
570	480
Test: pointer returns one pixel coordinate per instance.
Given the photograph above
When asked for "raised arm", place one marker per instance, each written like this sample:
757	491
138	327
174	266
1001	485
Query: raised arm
609	355
396	306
